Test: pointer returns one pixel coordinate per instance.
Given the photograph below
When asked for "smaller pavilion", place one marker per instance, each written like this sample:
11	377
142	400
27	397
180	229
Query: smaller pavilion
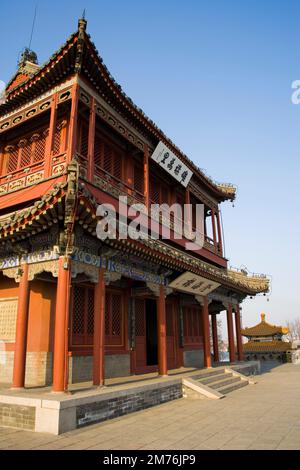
265	341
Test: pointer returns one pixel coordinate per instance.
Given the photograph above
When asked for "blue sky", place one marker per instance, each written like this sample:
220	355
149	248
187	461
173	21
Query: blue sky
216	77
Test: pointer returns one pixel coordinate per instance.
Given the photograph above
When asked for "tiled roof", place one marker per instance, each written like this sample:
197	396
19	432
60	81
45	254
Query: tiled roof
15	223
264	329
267	346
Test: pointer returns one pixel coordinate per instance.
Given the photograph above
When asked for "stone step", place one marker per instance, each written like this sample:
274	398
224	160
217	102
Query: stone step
230	388
221	383
208	373
213	378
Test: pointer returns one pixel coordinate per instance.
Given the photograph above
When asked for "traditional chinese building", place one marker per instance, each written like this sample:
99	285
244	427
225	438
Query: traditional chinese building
74	308
265	341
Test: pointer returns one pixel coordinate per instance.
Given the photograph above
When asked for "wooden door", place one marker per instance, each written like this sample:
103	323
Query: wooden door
140	336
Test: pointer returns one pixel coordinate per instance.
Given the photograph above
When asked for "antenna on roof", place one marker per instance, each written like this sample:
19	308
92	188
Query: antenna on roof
33	25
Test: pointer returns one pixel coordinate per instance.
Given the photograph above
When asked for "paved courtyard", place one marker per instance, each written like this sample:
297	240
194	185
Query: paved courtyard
261	416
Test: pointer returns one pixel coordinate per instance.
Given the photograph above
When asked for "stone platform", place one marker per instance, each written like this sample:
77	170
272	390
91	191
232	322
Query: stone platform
40	410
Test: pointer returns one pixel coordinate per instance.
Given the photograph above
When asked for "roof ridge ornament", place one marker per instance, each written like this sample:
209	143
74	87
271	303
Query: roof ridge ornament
80	44
82	23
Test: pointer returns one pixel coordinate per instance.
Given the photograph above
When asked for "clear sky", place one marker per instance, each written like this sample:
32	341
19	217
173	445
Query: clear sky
216	77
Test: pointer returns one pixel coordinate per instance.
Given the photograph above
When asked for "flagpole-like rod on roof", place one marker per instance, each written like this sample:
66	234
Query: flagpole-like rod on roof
32	29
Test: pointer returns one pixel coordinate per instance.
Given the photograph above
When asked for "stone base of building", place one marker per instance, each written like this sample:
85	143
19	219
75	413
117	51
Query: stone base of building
280	357
41	410
59	413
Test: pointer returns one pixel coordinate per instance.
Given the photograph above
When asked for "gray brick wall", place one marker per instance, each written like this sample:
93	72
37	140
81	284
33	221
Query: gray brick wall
81	367
119	406
194	358
17	416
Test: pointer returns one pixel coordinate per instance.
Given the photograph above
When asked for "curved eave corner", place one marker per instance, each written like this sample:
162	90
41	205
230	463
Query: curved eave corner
253	284
227	190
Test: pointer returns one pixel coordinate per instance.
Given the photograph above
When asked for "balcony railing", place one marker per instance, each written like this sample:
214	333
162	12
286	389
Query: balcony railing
21	178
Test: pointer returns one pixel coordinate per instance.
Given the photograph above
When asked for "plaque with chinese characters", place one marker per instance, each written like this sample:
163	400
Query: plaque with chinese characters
172	164
193	284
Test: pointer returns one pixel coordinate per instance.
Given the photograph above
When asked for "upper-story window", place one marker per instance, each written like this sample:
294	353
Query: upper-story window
108	158
138	177
31	147
159	191
60	137
26	151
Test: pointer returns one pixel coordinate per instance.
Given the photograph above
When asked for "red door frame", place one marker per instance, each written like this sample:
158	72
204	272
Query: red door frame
172	341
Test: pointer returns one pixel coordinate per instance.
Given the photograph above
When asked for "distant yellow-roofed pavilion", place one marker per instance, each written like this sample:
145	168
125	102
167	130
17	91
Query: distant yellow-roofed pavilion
265	341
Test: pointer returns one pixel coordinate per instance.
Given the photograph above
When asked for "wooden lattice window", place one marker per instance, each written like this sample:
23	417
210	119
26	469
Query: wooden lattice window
12	153
56	141
154	191
140	324
138	178
98	152
82	315
108	158
39	146
159	192
114	319
26	151
8	318
84	139
192	325
169	320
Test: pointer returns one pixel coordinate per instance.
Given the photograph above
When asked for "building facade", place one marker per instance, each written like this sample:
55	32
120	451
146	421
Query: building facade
75	308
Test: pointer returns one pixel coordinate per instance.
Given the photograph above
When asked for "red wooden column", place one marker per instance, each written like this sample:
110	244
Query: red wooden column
72	138
52	127
213	221
238	333
206	333
99	331
219	232
91	141
230	333
61	324
146	175
162	333
214	327
21	330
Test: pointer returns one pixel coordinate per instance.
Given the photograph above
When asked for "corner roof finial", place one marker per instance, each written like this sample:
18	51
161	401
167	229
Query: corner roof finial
263	317
82	22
